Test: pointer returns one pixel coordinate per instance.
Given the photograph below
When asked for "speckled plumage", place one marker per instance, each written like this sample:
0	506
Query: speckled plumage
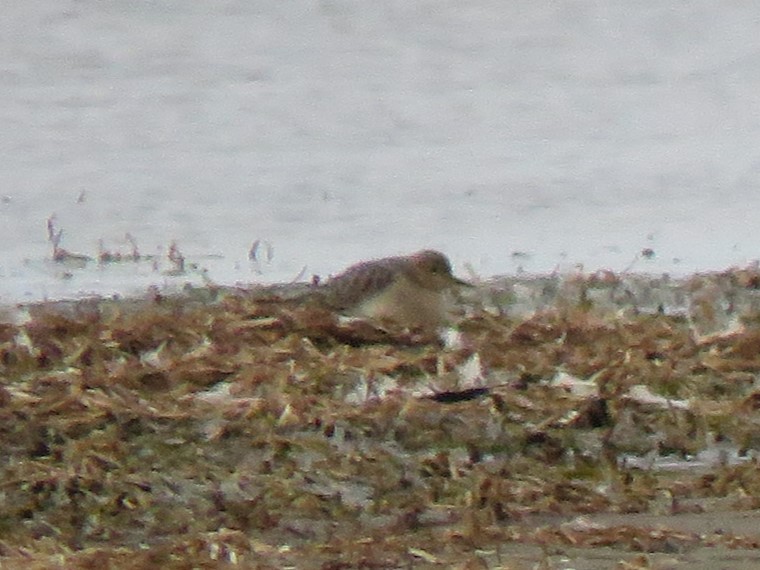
409	290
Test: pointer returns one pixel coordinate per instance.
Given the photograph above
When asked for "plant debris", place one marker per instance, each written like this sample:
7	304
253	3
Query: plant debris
224	428
452	396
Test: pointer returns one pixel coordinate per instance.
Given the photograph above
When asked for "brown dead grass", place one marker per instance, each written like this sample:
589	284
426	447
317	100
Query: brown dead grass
257	432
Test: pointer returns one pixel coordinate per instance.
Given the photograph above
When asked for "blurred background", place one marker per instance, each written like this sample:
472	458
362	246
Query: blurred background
273	140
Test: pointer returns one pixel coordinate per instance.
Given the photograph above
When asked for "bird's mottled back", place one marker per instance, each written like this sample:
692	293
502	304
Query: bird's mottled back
408	289
358	281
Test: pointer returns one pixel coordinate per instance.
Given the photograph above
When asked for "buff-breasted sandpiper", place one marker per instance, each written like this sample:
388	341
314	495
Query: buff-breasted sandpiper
409	290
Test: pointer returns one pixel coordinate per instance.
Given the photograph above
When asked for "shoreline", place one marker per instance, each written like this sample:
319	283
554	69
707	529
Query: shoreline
517	294
592	418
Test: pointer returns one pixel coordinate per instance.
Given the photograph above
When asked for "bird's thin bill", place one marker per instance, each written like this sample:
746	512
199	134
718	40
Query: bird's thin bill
462	283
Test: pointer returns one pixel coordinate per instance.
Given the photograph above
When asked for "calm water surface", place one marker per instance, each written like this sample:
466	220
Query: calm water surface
512	135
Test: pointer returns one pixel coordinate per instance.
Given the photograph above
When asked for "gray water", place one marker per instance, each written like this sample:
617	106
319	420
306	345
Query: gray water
515	136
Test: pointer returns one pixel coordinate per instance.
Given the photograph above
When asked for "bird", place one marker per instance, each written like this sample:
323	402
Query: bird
409	290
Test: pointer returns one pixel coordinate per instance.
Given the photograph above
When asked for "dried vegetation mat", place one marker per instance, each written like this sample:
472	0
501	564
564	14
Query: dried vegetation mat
249	431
